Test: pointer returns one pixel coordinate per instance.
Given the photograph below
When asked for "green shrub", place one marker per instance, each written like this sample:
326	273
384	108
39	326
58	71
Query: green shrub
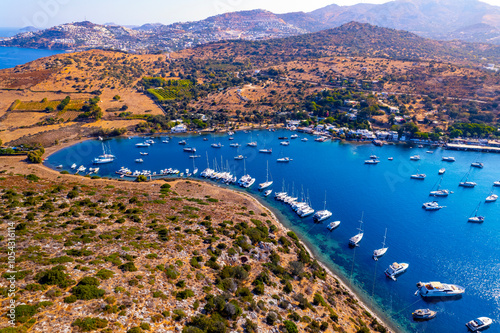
54	276
291	327
89	324
128	267
105	274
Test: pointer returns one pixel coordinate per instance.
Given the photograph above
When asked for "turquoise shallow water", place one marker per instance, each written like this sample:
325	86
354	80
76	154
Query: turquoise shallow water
439	246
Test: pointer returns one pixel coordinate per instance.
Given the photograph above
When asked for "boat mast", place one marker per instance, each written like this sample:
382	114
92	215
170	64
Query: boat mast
267	172
385	235
324	208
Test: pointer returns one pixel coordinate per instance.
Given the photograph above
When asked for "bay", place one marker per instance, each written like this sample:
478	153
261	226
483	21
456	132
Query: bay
14	56
439	246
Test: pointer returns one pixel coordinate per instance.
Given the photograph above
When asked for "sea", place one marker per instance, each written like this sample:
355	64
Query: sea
438	245
14	56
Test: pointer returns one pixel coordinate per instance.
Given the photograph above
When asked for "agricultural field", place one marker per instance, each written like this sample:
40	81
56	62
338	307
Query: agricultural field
172	89
44	104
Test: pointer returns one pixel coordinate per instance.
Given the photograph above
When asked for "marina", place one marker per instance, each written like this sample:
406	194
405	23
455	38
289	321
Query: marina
305	183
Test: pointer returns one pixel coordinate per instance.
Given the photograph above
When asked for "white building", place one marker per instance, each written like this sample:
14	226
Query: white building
181	128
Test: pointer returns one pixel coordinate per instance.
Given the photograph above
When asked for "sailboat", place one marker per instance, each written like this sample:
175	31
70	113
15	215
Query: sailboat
354	240
419	176
105	158
267	183
380	252
438	192
492	197
467	183
476	218
195	169
322	214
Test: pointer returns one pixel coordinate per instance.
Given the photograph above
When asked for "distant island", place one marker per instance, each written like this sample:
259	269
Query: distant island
465	20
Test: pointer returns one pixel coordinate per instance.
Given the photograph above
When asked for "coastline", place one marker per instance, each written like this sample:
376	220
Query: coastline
378	315
363	302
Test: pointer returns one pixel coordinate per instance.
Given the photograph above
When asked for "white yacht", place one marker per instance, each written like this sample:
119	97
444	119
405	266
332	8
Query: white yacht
239	157
267	183
477	165
142	145
333	225
304	140
189	150
415	158
380	252
448	159
144	154
284	160
372	161
234	145
354	240
216	145
439	193
307	211
467	183
322	215
73	166
497	184
252	144
60	166
266	151
423	314
476	218
396	269
294	136
105	158
479	324
285	143
419	176
139	160
492	198
438	289
81	169
441	171
267	193
391	158
433	205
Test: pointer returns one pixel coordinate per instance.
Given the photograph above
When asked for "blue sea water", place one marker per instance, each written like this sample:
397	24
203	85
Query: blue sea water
439	246
13	56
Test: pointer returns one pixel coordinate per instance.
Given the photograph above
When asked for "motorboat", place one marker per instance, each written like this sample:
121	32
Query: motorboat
73	166
183	142
189	150
142	145
321	139
282	138
285	143
143	154
380	252
307	211
205	139
441	171
374	157
60	166
372	161
354	240
239	157
139	160
396	269
476	219
423	314
81	169
479	324
266	151
267	193
194	156
438	289
230	133
391	158
492	198
497	184
430	152
234	145
419	176
165	141
433	205
448	159
294	136
304	140
150	141
415	158
477	165
284	160
252	144
333	225
216	145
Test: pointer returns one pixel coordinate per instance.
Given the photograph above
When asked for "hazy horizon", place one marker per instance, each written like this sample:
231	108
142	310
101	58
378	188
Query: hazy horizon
47	13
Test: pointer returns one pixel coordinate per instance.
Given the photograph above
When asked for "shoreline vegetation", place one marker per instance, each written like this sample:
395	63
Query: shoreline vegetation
348	312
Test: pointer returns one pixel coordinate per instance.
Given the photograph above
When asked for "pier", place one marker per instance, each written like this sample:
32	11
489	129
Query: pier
484	149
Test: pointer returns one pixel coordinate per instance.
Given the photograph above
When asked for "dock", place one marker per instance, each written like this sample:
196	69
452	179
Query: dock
484	149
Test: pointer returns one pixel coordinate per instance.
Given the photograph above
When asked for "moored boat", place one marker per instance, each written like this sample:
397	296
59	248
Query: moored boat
267	193
479	324
477	165
142	145
354	240
415	158
284	160
438	289
372	161
333	225
442	171
423	314
448	159
266	151
492	198
380	252
396	269
433	205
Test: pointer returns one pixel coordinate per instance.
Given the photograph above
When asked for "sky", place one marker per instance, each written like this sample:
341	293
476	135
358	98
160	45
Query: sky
48	13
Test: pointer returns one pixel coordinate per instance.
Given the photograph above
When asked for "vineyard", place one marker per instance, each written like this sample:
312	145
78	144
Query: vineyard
43	105
171	89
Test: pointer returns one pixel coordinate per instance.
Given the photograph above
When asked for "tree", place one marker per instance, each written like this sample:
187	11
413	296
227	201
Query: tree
291	327
117	97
